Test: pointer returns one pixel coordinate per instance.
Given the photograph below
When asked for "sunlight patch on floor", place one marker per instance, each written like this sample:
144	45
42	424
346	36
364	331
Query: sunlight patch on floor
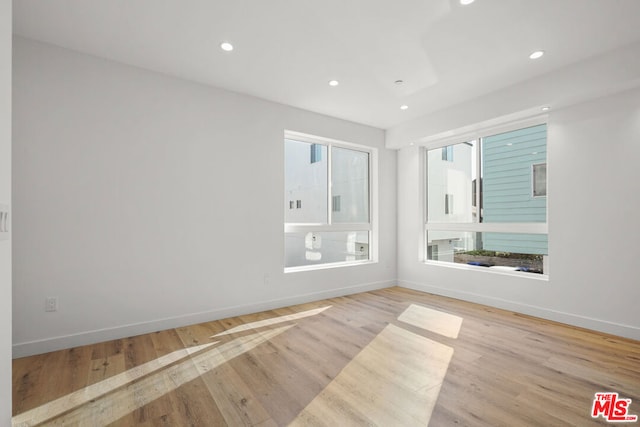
394	380
273	321
436	321
105	402
71	400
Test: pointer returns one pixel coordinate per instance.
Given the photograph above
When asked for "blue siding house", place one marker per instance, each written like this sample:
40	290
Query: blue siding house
511	193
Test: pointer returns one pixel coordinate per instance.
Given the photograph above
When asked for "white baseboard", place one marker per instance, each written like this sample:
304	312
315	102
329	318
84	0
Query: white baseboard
599	325
94	336
30	348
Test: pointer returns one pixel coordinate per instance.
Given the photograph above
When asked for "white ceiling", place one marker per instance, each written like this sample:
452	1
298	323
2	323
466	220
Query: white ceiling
287	50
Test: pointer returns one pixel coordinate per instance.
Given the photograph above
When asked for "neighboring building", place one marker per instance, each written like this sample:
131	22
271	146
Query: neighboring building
449	199
514	187
305	182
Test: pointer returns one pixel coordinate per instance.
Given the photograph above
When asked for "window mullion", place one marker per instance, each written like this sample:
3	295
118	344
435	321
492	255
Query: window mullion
307	228
329	186
491	227
479	180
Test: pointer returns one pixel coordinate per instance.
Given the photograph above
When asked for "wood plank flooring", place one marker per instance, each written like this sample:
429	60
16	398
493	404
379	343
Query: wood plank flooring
393	357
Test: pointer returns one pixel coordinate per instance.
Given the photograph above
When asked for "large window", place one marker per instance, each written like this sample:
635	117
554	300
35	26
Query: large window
327	202
499	184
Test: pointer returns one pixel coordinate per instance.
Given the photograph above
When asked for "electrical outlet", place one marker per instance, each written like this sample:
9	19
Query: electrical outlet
51	304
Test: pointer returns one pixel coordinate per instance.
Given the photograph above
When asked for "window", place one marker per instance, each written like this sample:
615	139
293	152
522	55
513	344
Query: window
335	205
432	252
316	153
539	178
500	216
447	154
333	225
448	204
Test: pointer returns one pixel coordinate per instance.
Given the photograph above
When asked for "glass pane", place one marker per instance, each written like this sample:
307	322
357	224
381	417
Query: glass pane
451	177
507	181
540	180
350	185
503	251
305	182
325	247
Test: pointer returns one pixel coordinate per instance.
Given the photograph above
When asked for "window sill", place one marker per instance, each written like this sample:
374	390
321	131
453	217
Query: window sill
328	266
489	270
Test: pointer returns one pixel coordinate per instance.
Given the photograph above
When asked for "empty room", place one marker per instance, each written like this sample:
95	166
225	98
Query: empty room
319	213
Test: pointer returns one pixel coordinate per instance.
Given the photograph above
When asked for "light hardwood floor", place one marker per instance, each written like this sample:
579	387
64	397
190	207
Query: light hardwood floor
390	358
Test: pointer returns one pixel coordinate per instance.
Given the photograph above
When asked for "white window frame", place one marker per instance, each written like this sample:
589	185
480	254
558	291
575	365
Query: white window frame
371	226
512	228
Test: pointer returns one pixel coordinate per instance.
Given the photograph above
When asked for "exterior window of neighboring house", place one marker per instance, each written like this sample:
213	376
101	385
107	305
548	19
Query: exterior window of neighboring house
316	152
432	252
447	154
474	193
448	204
335	205
334	224
500	218
539	179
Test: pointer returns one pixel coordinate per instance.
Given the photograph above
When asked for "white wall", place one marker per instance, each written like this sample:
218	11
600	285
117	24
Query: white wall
5	199
593	173
144	202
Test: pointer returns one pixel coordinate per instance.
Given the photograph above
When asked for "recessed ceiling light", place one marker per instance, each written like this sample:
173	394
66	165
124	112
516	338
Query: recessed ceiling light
466	2
226	46
412	144
509	144
545	108
333	83
404	107
537	54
